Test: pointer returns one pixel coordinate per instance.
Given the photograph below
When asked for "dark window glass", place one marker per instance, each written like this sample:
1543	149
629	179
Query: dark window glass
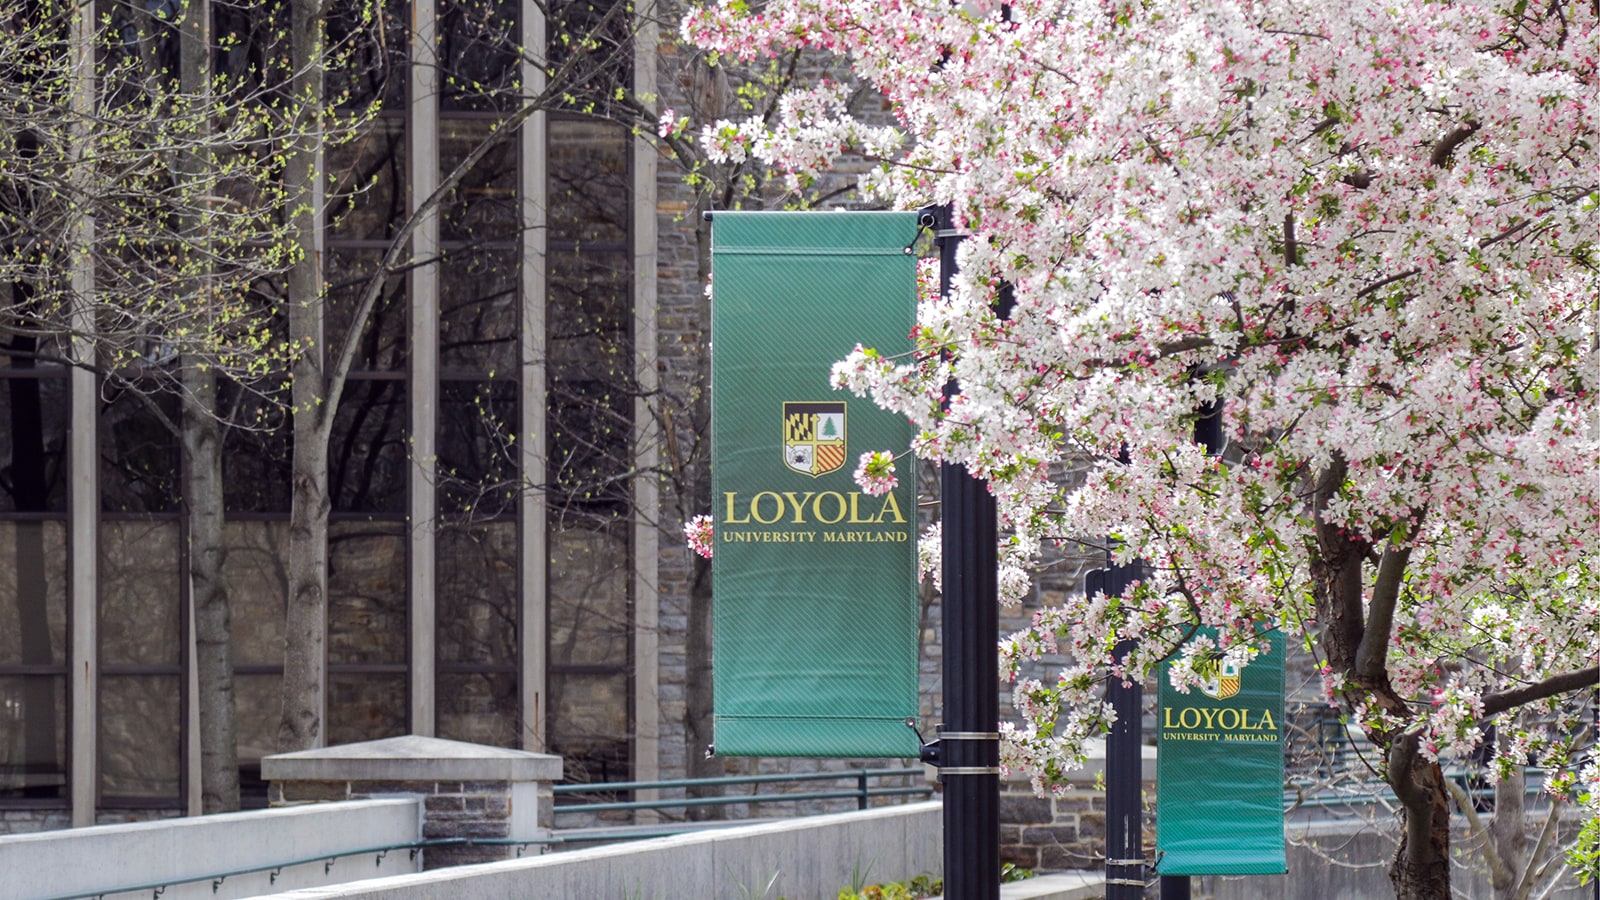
365	706
589	609
480	707
369	64
256	571
478	311
590	724
368	197
258	451
478	57
33	444
589	182
33	340
33	736
483	206
383	339
138	454
590	402
590	40
477	594
258	704
367	452
477	447
590	316
143	41
366	593
139	593
140	736
33	593
587	449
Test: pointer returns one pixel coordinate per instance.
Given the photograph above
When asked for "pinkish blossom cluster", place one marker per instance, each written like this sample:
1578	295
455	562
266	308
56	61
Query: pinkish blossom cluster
875	472
697	532
1365	231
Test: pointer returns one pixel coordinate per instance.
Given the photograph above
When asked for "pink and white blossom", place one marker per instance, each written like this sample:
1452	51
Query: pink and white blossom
1365	230
698	532
875	472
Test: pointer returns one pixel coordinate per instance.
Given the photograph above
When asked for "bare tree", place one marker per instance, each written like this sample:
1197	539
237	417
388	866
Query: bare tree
174	166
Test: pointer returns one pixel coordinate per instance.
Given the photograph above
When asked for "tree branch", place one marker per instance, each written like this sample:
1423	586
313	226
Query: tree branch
1373	650
1532	871
1499	702
1448	144
1497	865
1380	285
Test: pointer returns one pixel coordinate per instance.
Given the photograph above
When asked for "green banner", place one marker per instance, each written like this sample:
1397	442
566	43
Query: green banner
1219	771
814	607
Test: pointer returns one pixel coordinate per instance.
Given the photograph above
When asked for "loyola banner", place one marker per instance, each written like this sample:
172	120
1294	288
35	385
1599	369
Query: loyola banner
815	612
1219	772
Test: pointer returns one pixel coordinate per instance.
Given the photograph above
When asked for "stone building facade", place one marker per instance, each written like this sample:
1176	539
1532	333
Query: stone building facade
522	436
520	439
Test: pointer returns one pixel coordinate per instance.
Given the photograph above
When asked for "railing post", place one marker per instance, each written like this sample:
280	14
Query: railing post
861	780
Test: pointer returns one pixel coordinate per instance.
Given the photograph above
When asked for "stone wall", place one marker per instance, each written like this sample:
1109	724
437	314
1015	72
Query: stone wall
450	809
468	791
23	821
1063	831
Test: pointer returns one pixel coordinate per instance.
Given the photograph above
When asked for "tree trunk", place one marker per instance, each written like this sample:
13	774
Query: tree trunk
1421	867
202	492
201	440
1339	585
1508	831
306	628
697	642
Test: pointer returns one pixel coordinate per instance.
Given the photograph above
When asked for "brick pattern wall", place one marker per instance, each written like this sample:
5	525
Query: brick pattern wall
451	809
1066	831
26	821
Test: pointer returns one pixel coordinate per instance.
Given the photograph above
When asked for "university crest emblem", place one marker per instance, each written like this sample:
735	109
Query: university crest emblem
814	437
1224	684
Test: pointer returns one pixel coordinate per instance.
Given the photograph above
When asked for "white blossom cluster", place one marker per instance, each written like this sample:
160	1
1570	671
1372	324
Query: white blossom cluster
1368	231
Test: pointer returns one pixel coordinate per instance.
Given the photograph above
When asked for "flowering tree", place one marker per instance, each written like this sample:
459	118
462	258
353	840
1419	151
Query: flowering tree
1366	231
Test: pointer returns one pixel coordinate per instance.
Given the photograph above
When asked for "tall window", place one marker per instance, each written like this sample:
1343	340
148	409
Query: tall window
368	457
33	566
588	445
480	310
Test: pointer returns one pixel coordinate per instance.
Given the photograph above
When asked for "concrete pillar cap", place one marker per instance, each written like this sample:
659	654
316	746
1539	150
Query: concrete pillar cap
412	758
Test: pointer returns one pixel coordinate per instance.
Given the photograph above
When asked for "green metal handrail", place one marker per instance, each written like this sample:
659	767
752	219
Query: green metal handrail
863	793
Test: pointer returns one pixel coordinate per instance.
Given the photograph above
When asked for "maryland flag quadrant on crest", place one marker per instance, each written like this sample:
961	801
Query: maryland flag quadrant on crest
814	437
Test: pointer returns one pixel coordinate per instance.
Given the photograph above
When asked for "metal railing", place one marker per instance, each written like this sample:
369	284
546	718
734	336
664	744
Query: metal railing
863	791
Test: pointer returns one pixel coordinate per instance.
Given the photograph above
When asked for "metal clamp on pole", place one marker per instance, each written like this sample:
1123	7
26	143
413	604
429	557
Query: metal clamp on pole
931	752
1138	865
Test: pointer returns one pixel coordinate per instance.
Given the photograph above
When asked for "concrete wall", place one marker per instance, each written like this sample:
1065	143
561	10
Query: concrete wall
802	859
99	858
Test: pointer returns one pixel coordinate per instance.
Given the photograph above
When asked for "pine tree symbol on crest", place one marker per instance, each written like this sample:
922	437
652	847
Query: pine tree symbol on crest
828	431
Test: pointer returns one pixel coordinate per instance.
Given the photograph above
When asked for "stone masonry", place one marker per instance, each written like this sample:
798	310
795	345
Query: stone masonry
469	791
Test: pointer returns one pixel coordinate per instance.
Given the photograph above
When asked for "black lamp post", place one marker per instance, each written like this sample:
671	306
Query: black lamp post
967	750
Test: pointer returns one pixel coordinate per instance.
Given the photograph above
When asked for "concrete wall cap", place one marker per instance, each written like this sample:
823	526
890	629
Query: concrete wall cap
412	758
